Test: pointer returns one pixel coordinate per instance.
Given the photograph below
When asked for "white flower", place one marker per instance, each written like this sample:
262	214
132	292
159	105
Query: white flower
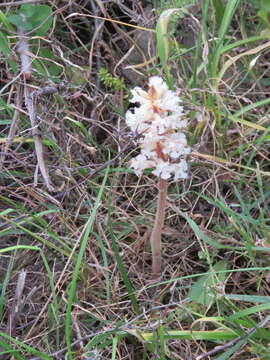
180	170
175	145
163	169
158	121
173	121
169	102
139	96
158	85
140	163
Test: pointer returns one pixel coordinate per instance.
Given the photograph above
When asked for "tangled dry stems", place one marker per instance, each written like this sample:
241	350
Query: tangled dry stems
76	157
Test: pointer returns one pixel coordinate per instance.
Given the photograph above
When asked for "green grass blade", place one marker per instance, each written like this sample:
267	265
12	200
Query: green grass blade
114	347
106	265
254	105
249	311
25	347
37	237
5	22
219	9
239	43
215	335
249	298
4	46
232	350
4	285
200	234
163	40
161	342
230	9
78	264
10	350
122	270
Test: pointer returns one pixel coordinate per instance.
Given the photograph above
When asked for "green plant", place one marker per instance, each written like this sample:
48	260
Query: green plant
35	19
264	13
113	82
84	246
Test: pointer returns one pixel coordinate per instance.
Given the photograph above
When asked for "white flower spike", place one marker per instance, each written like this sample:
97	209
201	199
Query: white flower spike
158	120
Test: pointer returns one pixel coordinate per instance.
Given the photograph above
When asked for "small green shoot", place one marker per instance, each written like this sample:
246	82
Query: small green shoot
112	82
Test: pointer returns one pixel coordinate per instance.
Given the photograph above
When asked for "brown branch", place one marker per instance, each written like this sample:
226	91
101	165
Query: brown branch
20	2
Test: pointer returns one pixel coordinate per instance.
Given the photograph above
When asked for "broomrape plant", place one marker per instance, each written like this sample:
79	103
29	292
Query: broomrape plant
163	146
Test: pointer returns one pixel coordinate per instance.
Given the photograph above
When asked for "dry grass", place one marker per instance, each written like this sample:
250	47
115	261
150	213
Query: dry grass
82	129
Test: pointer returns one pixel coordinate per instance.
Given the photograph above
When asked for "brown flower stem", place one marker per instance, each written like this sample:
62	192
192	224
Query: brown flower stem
155	238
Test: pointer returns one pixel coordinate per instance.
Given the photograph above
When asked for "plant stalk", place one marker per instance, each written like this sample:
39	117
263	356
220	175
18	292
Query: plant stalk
155	238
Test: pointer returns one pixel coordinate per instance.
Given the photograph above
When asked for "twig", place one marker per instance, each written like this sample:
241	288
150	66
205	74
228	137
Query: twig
13	126
124	327
17	304
30	102
77	328
98	169
23	50
235	341
96	39
20	2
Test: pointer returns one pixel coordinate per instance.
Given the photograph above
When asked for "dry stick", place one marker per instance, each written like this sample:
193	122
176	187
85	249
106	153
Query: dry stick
17	306
20	2
155	238
124	327
13	126
24	51
98	168
239	339
30	102
17	303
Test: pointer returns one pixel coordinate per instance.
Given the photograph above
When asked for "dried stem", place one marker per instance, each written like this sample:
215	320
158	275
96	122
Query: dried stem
13	126
23	50
155	238
30	105
30	102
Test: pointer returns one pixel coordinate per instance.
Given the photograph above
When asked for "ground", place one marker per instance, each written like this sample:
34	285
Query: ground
75	265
